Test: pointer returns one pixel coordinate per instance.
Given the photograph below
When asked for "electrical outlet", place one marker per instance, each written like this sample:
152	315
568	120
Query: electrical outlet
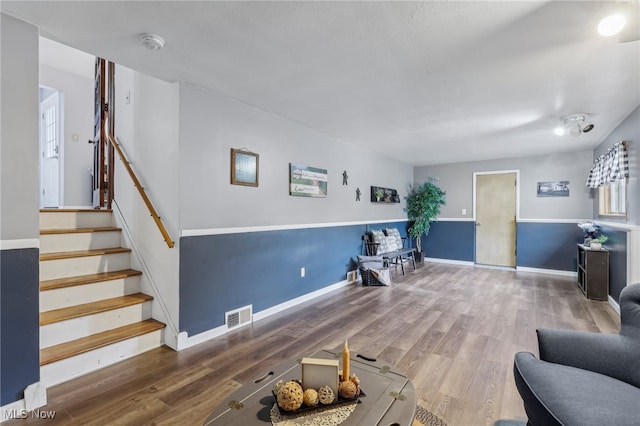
464	212
302	272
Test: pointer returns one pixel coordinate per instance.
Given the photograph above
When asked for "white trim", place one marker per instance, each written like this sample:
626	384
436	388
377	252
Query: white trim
17	406
454	219
547	271
37	395
498	267
614	305
576	221
449	261
19	244
184	341
264	228
617	225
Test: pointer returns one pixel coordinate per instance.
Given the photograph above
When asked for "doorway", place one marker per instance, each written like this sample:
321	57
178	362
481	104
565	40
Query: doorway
496	211
51	131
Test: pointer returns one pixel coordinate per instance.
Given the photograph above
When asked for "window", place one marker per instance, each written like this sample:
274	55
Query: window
612	199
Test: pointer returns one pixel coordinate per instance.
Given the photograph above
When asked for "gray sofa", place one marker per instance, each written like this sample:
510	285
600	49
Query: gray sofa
582	378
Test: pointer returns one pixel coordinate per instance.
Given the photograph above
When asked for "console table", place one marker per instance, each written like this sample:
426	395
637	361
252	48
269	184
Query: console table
390	396
593	272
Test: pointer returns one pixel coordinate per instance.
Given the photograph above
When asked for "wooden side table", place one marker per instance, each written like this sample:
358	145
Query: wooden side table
390	396
593	272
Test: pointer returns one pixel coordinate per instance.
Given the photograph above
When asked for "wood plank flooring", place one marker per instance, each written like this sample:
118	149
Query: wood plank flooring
453	329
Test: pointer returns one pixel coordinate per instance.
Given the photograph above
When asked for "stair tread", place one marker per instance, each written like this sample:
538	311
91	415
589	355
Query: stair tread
78	230
87	210
82	253
87	279
95	341
84	309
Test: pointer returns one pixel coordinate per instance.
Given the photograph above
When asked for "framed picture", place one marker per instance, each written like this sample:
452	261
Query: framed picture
244	167
384	195
305	181
553	189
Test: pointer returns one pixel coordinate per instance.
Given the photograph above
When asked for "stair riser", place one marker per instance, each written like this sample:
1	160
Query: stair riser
51	243
67	369
71	220
64	331
86	293
62	268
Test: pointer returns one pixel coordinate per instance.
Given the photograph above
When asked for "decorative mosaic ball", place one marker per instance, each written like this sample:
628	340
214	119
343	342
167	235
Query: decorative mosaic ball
356	382
348	389
310	397
290	396
326	395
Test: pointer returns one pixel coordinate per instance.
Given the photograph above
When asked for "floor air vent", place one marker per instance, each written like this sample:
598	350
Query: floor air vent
239	317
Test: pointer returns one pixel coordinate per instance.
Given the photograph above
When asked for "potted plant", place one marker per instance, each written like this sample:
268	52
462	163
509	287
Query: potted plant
379	194
596	243
423	206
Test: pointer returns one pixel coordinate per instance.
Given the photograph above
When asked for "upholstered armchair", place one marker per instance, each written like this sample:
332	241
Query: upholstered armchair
582	378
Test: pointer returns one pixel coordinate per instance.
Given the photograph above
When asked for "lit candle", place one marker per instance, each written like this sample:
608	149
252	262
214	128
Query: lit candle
345	362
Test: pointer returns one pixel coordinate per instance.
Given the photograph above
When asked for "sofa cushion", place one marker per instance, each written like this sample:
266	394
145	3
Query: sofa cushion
395	234
557	394
386	244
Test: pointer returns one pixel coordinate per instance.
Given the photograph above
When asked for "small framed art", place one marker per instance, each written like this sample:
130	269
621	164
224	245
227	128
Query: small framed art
244	167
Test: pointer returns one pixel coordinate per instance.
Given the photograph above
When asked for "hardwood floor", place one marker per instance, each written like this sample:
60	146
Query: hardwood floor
453	329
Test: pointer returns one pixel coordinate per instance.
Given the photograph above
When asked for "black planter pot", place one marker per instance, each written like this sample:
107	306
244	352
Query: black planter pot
419	256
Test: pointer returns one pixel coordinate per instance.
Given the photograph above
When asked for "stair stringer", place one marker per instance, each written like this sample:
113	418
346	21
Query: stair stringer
148	285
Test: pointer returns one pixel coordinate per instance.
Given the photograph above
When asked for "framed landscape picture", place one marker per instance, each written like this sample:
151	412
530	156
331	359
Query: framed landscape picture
553	189
305	181
244	167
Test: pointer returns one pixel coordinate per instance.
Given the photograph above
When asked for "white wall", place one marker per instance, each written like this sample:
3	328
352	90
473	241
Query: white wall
147	128
457	180
211	124
78	120
19	183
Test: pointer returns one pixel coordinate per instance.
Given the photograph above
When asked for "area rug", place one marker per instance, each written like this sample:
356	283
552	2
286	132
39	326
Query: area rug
425	417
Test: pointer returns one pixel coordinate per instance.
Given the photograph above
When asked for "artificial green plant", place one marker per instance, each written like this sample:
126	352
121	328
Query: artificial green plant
423	206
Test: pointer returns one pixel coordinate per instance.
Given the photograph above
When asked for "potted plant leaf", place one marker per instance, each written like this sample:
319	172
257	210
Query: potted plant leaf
423	206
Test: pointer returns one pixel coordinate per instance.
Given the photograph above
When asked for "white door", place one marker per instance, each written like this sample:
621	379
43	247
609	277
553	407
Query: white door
50	151
496	199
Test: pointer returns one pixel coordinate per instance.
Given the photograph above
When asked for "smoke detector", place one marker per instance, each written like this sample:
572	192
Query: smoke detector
151	41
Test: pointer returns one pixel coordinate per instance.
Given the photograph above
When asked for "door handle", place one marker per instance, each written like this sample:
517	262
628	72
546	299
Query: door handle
478	224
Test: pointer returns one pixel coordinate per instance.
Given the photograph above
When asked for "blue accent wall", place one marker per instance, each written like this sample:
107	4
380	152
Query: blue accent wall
450	240
548	245
617	246
219	273
19	324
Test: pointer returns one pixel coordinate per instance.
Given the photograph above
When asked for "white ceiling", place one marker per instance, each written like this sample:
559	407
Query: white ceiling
427	82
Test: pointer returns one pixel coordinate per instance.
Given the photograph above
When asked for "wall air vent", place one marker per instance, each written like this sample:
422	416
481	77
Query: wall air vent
239	317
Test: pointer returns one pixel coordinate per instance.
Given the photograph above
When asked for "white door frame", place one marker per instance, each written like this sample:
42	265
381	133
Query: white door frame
42	147
495	172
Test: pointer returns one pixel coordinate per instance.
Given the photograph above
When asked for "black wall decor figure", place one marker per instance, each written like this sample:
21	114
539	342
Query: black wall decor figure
345	176
358	194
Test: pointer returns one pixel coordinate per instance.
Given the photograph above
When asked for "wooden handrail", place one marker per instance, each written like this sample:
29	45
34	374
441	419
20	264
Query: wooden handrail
136	183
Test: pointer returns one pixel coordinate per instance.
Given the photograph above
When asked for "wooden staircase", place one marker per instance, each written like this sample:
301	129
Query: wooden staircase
92	313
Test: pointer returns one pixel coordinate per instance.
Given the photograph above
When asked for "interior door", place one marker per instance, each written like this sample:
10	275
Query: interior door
98	135
50	151
496	219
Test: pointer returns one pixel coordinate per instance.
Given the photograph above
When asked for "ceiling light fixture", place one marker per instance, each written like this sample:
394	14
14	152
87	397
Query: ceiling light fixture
151	41
611	25
573	125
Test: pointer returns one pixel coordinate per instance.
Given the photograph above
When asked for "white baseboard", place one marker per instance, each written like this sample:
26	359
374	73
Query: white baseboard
614	305
547	271
449	261
35	396
185	341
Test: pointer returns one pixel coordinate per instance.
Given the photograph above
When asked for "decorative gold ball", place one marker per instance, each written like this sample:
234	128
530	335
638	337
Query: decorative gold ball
277	386
348	389
290	396
326	395
310	397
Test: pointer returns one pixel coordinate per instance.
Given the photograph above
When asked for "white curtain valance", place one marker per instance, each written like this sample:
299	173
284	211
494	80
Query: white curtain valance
609	167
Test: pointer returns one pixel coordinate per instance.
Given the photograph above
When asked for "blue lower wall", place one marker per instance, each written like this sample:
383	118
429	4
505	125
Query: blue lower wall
450	240
219	273
19	322
617	246
548	245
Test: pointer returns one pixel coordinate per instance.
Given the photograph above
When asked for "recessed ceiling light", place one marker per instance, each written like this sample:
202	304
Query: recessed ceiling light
151	41
611	25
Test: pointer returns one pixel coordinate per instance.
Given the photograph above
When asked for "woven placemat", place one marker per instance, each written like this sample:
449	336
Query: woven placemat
425	417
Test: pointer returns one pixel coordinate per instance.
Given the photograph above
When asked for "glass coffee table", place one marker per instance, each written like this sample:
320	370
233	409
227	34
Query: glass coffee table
390	396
